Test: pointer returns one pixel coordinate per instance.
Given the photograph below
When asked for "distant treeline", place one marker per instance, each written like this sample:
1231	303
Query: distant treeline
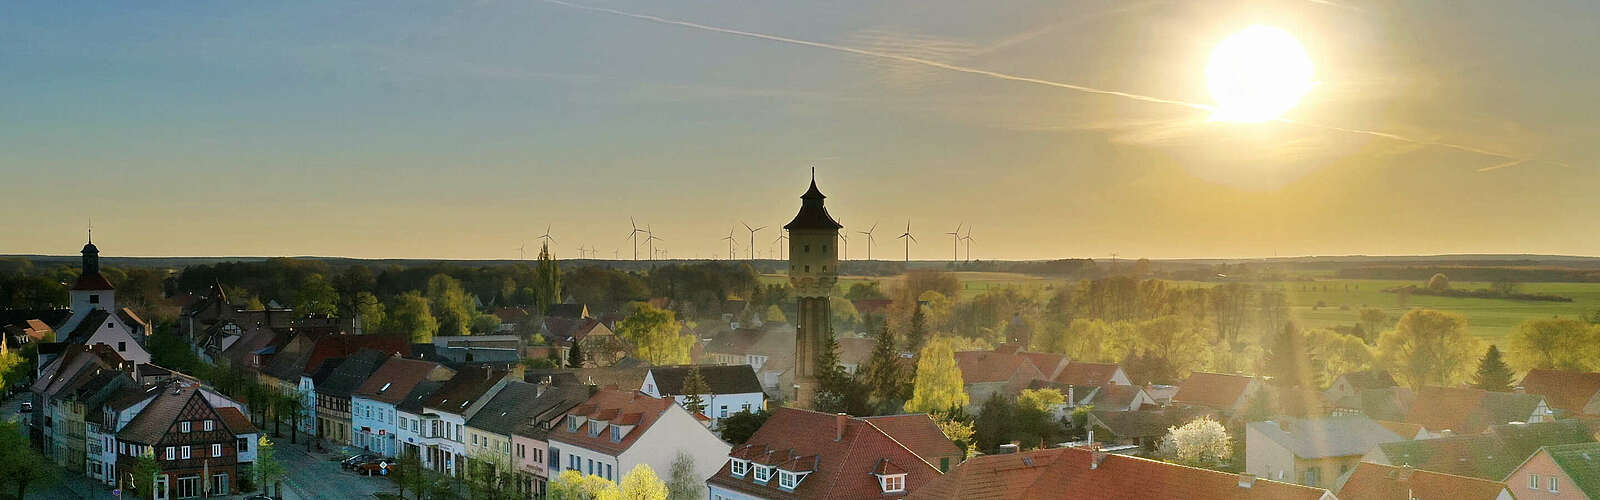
1473	273
1481	293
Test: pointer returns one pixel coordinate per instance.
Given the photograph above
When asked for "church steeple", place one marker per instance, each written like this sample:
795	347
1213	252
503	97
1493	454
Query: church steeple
91	259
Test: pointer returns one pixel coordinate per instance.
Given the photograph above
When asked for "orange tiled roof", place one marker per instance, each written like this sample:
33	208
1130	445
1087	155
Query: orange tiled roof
842	469
1564	390
1212	390
1372	481
1062	473
979	367
1082	373
609	403
918	433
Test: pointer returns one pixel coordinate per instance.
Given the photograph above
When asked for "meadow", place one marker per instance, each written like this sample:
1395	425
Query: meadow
1326	302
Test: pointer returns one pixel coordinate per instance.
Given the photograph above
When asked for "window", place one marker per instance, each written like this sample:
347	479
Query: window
808	248
216	450
763	473
522	450
786	480
1533	481
183	427
722	412
808	268
616	434
94	298
210	426
1313	475
745	407
892	483
591	466
243	445
219	484
172	453
184	452
738	467
572	424
608	472
1552	482
944	464
121	346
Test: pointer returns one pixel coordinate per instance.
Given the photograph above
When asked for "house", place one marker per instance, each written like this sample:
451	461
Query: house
374	417
616	430
986	373
334	393
1350	384
1466	410
920	434
413	438
1575	393
1072	473
1096	374
95	317
1220	391
596	342
1109	397
855	353
456	350
1388	403
1312	452
794	455
1372	481
568	311
1569	471
446	411
74	409
729	389
1490	455
299	365
70	365
182	428
1143	428
768	350
492	434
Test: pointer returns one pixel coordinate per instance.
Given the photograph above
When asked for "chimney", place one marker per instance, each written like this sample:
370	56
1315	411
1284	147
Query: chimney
839	421
1008	448
1405	473
1096	456
1247	480
1071	399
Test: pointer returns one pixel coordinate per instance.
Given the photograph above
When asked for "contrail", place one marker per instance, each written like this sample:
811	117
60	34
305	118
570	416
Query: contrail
1515	160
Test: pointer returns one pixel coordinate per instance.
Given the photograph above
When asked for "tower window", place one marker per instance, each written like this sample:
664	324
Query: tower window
824	268
808	268
808	248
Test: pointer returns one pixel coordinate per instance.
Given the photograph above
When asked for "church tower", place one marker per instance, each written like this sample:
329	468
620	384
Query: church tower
813	271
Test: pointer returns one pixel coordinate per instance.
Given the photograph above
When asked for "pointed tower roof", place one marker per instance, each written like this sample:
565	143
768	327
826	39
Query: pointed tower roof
812	214
90	279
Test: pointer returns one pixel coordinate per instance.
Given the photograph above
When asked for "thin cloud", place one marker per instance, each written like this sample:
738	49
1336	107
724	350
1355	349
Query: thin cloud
1516	160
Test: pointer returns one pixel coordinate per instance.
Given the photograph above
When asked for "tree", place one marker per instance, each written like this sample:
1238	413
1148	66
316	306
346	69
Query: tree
738	427
547	281
1338	353
995	423
144	475
573	485
683	482
575	354
1373	321
865	290
267	468
409	473
1036	424
693	386
953	425
20	463
1173	345
1555	343
1428	347
939	385
1287	361
884	373
1505	287
641	483
656	335
484	324
316	296
369	311
1493	374
845	316
1200	443
450	304
411	316
917	331
774	315
1439	282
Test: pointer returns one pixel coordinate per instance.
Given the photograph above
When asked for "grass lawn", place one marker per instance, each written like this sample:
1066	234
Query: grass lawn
1491	319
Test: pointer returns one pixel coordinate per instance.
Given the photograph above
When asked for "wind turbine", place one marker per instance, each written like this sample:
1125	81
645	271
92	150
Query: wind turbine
650	239
729	237
782	237
868	232
909	238
522	251
546	236
752	238
844	245
634	235
968	240
955	243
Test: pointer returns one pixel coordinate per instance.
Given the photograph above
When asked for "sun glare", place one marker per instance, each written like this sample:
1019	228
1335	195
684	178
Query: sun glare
1257	74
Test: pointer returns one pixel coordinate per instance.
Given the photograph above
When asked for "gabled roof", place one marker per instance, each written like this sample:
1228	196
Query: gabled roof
395	378
128	317
1372	481
570	311
1212	390
918	433
1469	410
630	407
1115	396
720	379
413	401
521	404
80	334
339	346
1581	462
1569	391
1324	437
1491	455
843	468
469	384
1369	379
1085	373
1524	439
1389	403
351	373
1146	423
1063	473
1050	364
978	367
151	424
235	421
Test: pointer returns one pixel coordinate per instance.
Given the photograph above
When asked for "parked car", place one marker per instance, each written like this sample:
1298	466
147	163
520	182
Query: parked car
379	467
353	460
26	407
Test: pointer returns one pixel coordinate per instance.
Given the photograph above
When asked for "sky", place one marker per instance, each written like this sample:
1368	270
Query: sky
461	130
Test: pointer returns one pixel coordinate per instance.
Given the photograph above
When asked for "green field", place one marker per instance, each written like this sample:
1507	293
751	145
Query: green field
1491	319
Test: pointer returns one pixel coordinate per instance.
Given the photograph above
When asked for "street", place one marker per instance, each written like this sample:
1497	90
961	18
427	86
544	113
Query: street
310	476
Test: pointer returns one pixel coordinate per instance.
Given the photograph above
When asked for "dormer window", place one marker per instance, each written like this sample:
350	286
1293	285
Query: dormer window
616	434
763	473
738	467
787	480
892	483
595	428
572	423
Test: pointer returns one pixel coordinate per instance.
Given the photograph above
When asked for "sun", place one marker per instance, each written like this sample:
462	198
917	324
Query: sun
1257	74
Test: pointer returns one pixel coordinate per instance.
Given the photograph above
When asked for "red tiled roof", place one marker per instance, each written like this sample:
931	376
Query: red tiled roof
1372	481
1048	363
1212	390
919	433
979	367
340	346
1564	390
844	468
1469	410
613	402
1062	473
400	375
1082	373
92	281
235	421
